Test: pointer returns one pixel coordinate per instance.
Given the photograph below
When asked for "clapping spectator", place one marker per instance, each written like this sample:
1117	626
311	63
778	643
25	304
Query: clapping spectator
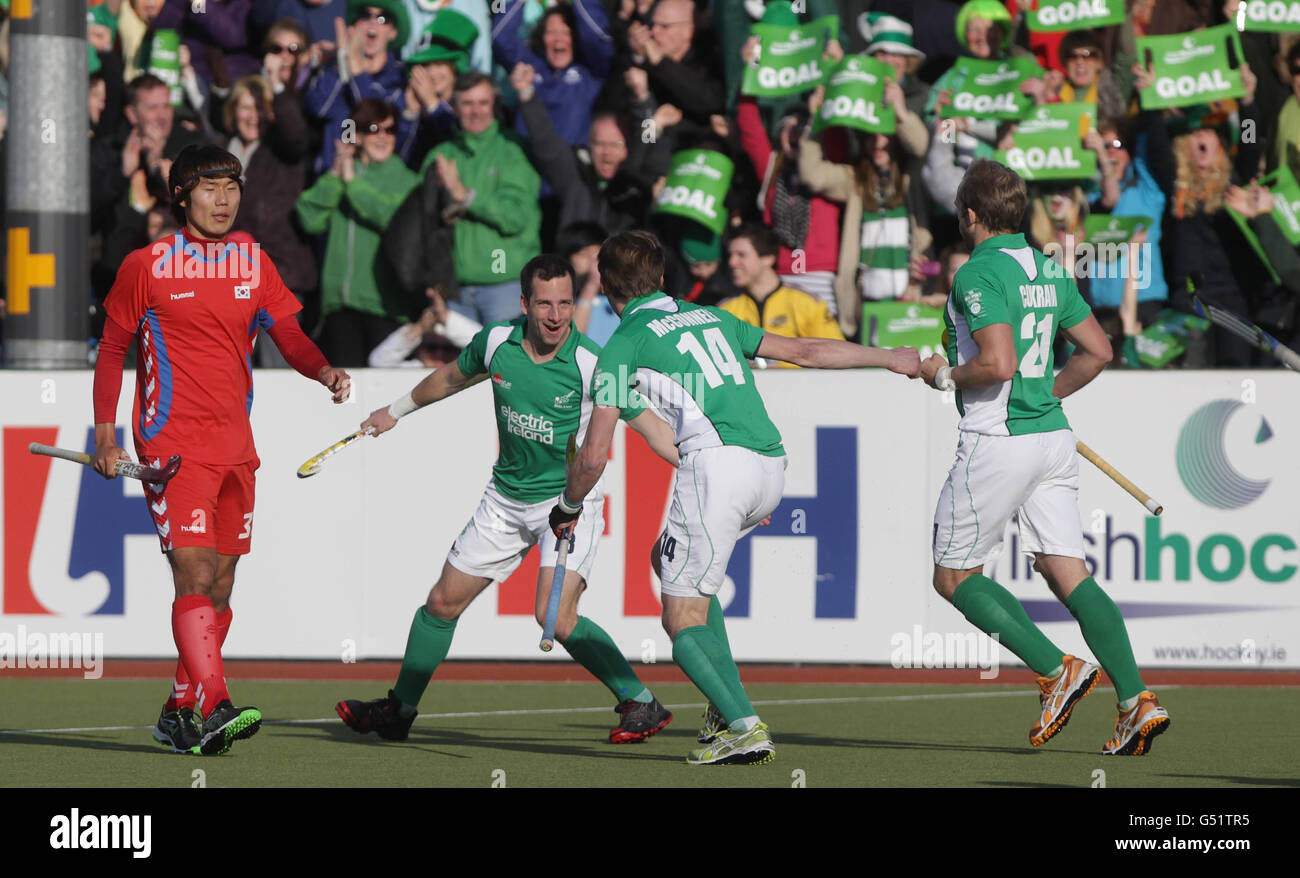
681	67
491	191
366	67
360	299
439	57
765	301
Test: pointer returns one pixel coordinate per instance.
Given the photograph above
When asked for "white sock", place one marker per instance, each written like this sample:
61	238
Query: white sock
745	723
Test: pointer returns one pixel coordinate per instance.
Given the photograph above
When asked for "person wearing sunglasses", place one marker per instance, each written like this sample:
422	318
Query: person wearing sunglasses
1087	77
352	205
366	67
285	56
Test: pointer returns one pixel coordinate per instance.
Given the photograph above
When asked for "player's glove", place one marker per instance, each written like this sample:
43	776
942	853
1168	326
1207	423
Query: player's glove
564	518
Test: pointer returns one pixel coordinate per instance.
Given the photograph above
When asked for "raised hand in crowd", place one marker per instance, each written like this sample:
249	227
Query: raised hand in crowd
720	125
628	8
895	98
344	160
522	79
834	52
429	86
666	116
450	177
638	82
1248	82
750	50
1144	76
815	99
1241	201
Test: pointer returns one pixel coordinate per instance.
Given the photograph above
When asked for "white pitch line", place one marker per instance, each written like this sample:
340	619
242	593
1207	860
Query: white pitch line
551	710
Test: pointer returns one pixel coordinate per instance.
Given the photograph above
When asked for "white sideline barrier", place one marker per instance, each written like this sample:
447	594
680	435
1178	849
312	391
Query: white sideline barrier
340	561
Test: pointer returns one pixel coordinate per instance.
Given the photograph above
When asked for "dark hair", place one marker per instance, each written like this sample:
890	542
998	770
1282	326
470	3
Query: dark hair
570	20
289	24
372	111
547	266
1292	56
631	264
996	194
579	235
471	78
762	238
1080	39
143	82
192	165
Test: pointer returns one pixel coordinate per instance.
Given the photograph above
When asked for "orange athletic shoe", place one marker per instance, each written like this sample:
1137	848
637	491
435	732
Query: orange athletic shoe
1058	696
1135	728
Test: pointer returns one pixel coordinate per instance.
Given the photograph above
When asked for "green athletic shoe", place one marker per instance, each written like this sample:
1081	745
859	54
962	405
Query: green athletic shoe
713	723
753	747
226	725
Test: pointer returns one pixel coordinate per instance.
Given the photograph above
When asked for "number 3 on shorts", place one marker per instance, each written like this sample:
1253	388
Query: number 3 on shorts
248	526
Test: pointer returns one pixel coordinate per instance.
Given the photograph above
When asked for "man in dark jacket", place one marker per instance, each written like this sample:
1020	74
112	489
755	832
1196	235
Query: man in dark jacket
593	184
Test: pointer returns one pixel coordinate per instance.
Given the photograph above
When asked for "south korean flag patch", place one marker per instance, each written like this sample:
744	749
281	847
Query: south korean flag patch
243	292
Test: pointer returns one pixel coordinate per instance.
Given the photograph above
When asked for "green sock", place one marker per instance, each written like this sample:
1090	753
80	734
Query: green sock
1104	632
426	647
705	659
592	648
717	624
994	610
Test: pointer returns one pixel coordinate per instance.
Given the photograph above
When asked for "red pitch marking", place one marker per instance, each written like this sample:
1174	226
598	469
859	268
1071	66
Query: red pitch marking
558	672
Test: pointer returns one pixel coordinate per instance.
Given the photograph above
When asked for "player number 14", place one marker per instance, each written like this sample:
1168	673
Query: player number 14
1034	363
720	359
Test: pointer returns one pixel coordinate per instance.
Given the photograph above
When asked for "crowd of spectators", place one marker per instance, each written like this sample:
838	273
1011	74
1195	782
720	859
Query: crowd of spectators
404	158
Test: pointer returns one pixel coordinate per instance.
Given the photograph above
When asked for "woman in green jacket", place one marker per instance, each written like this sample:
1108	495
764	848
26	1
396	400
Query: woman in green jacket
361	303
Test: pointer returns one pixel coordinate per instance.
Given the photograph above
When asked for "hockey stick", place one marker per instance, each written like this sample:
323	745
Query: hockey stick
1138	494
313	464
1249	331
553	605
130	469
557	581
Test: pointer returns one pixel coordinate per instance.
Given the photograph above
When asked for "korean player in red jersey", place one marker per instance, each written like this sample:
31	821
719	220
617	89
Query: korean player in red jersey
193	302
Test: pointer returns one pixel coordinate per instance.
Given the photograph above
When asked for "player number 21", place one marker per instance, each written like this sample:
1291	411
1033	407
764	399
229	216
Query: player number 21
719	361
1034	363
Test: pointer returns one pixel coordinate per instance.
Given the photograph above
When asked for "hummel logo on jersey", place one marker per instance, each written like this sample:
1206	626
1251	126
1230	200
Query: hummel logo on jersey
242	292
566	401
501	382
189	295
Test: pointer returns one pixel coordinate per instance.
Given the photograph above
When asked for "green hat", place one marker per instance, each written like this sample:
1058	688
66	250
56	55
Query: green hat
780	14
989	10
1199	116
393	9
701	245
93	64
890	34
447	38
101	14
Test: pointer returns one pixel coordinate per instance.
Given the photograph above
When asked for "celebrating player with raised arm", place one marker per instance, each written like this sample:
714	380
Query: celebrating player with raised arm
542	370
688	364
193	302
1016	452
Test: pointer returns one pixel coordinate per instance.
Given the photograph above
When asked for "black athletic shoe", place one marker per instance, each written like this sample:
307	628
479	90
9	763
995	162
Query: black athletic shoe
179	730
226	725
383	716
640	721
